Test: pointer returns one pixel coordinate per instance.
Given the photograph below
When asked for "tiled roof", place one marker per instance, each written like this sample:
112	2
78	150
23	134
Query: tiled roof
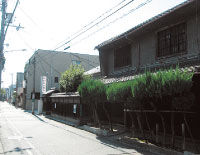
189	62
69	94
93	71
145	23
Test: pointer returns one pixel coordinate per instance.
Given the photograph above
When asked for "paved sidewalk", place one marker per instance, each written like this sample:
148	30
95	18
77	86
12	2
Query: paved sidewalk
1	148
121	137
125	138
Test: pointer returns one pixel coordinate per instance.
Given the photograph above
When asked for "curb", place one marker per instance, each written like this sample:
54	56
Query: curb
153	148
62	121
1	148
148	147
96	131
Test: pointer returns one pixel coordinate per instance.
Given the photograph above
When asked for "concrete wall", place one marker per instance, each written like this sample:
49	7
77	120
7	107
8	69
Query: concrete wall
143	48
29	105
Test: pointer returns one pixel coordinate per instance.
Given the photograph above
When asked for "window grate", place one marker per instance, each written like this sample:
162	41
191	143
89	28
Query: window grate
172	40
122	57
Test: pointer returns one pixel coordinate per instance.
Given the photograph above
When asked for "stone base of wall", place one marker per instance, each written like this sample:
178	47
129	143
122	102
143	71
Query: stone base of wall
68	119
189	145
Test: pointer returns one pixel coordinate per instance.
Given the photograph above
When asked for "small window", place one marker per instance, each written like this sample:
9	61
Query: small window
37	95
172	41
76	62
122	57
56	80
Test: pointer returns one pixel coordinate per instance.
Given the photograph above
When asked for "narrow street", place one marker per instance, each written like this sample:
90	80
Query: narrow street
24	133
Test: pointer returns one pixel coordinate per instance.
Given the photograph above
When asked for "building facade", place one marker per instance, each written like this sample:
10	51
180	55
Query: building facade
19	89
51	64
171	37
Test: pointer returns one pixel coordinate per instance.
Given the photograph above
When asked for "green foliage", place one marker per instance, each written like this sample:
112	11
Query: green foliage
157	86
72	78
119	92
92	91
14	95
3	92
166	88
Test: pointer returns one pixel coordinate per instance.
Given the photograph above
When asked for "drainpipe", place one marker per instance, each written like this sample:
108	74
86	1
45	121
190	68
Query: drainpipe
139	55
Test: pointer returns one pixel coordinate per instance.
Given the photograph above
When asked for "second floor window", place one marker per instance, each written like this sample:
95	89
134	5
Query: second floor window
56	79
122	57
172	40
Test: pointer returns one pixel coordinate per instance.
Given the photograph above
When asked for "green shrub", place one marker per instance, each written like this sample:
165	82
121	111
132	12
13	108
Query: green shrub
119	92
92	91
156	87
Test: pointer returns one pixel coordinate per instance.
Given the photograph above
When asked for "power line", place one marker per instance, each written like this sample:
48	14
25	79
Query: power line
74	54
95	24
38	27
25	42
84	60
124	15
91	22
48	64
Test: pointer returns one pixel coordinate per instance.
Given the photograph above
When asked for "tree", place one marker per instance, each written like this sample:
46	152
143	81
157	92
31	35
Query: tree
72	78
93	92
3	94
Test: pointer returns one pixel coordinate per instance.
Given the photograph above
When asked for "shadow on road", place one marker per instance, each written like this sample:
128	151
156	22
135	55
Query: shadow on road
17	149
120	146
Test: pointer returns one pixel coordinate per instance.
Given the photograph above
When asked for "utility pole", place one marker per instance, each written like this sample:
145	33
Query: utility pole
3	33
51	71
2	36
12	86
33	94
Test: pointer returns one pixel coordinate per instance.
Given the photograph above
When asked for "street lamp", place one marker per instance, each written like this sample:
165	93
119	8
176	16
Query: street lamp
15	50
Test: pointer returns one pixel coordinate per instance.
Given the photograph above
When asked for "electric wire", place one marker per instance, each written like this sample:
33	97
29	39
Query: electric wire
36	25
95	24
139	6
25	42
124	15
91	22
74	54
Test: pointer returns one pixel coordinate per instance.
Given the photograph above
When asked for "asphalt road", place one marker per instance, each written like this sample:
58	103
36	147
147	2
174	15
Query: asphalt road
24	133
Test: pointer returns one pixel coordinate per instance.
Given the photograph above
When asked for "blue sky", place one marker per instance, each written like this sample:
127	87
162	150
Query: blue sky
48	22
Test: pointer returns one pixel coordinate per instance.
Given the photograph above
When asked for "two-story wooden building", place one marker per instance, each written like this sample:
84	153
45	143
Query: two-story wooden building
172	37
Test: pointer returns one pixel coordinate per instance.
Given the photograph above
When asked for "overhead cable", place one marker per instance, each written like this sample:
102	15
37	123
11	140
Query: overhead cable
124	15
95	24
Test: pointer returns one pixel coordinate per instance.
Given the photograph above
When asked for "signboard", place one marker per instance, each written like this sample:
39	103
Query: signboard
24	83
43	85
74	108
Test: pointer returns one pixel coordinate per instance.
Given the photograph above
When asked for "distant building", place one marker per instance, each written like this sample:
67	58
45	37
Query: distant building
7	93
51	64
19	89
11	89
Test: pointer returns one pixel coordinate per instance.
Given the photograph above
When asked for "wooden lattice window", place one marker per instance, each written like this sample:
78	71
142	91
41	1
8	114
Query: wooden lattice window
122	56
172	40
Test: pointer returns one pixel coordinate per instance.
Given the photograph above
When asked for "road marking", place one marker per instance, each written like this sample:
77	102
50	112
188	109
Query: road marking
15	137
29	152
21	135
